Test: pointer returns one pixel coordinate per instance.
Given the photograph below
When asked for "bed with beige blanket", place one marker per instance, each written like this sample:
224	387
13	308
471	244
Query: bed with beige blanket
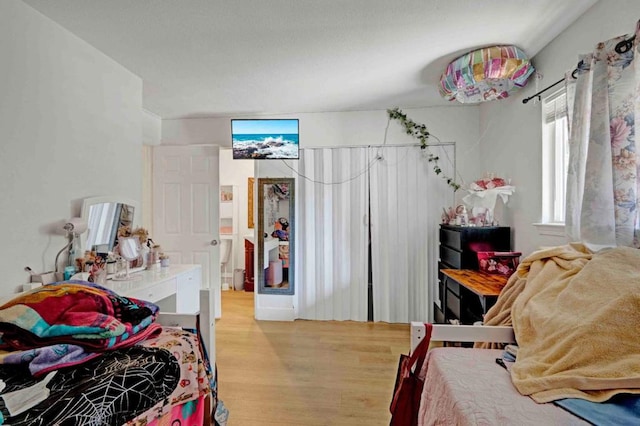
576	320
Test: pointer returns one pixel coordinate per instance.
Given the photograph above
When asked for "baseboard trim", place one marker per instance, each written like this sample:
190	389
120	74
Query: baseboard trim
275	314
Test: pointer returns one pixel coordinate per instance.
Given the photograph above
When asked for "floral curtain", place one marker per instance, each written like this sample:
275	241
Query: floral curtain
602	207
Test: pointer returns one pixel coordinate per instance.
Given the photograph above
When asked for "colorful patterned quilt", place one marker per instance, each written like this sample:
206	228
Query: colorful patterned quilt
68	323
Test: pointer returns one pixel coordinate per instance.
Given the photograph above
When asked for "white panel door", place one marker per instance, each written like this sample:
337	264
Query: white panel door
186	209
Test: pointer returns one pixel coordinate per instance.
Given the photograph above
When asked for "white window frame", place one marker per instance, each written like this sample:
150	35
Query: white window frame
555	160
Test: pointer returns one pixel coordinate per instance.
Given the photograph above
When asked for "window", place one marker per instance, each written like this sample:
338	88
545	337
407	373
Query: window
555	157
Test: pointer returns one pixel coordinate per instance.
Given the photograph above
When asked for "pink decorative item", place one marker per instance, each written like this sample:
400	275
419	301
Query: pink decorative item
483	194
498	262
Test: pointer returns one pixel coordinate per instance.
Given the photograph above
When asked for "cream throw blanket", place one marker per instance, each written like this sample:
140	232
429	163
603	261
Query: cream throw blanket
543	265
576	318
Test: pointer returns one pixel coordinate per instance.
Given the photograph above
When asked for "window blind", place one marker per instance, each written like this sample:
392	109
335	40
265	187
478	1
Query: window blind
554	106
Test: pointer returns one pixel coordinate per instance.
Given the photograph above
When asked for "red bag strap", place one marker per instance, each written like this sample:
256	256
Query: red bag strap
420	352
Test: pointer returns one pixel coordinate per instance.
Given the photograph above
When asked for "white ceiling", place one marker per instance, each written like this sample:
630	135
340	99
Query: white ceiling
206	58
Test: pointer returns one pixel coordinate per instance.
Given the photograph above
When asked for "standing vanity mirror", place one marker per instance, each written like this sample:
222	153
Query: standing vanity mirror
104	216
276	224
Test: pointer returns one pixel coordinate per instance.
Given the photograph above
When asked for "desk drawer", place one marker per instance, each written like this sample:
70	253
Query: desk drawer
156	292
188	292
452	285
441	266
451	238
451	256
438	315
453	304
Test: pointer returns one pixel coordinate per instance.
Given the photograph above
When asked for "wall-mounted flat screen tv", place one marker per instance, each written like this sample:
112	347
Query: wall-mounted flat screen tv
265	139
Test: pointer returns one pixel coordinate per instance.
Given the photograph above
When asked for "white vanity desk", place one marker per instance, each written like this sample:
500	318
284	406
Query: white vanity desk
175	288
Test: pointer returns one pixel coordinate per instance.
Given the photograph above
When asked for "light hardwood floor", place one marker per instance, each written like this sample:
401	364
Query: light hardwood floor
304	372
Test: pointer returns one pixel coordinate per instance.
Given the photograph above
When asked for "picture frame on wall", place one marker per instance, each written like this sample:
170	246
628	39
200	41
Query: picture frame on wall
250	190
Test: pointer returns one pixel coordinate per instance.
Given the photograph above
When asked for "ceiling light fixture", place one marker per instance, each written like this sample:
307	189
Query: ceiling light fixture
486	74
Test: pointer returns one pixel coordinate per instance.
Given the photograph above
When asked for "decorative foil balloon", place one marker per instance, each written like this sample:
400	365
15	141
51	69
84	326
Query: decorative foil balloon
485	74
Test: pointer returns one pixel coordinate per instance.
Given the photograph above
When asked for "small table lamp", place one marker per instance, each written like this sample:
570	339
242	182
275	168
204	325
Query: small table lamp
74	227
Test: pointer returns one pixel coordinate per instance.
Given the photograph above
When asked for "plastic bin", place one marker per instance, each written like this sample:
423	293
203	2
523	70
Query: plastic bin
499	262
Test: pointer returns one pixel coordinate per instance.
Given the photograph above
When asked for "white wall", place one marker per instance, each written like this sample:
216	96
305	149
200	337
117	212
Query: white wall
459	124
70	128
151	128
455	123
512	142
151	136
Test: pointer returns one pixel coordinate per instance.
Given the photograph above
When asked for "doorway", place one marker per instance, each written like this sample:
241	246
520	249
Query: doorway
236	223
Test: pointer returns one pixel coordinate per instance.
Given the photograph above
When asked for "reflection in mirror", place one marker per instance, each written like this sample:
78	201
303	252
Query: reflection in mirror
102	227
104	217
276	224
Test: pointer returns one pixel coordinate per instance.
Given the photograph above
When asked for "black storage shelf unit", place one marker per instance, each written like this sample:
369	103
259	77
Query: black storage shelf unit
458	248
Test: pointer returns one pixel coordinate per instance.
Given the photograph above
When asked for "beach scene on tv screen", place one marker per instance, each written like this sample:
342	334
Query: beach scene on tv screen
264	139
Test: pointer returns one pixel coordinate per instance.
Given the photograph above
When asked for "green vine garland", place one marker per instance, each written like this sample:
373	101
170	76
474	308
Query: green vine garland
420	132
